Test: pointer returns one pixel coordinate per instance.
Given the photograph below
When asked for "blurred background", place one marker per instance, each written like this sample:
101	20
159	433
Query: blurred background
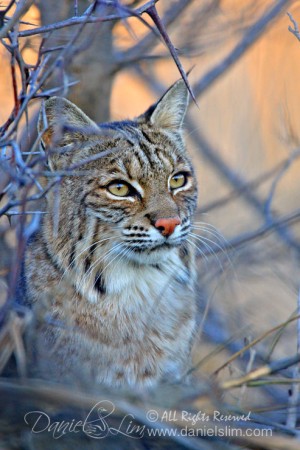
243	137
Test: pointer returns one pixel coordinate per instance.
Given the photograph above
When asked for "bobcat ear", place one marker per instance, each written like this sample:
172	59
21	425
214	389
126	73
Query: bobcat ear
170	110
61	123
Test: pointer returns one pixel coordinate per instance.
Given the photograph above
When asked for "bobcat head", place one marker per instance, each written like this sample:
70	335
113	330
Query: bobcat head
127	188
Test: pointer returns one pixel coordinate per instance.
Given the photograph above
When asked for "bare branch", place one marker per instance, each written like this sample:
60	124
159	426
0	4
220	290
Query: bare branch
86	19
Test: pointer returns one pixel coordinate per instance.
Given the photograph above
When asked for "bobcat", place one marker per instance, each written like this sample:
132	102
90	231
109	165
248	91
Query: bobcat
110	275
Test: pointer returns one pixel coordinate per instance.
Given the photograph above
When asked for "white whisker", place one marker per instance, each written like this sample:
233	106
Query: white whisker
211	228
214	233
199	250
207	246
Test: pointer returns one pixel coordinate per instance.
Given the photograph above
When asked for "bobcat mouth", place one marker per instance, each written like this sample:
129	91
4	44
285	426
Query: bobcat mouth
156	246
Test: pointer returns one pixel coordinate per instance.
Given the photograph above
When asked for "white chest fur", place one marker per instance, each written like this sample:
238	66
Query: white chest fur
134	283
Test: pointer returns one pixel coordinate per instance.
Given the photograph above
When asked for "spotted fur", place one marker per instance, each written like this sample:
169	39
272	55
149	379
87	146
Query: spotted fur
113	296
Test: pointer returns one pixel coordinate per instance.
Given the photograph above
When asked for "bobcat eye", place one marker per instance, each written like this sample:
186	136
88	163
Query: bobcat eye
178	180
119	189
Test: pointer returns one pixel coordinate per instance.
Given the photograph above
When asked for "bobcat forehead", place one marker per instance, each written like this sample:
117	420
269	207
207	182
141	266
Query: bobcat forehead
114	250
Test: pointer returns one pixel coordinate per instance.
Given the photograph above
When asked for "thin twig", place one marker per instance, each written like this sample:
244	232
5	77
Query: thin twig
295	30
263	371
152	11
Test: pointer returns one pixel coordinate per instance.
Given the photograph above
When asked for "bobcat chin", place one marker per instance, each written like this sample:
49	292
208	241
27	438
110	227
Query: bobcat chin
110	274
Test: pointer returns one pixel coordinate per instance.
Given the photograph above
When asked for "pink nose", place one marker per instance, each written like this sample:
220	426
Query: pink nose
167	226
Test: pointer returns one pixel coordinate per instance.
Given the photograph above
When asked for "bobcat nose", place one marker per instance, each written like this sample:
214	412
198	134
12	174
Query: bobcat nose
167	226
